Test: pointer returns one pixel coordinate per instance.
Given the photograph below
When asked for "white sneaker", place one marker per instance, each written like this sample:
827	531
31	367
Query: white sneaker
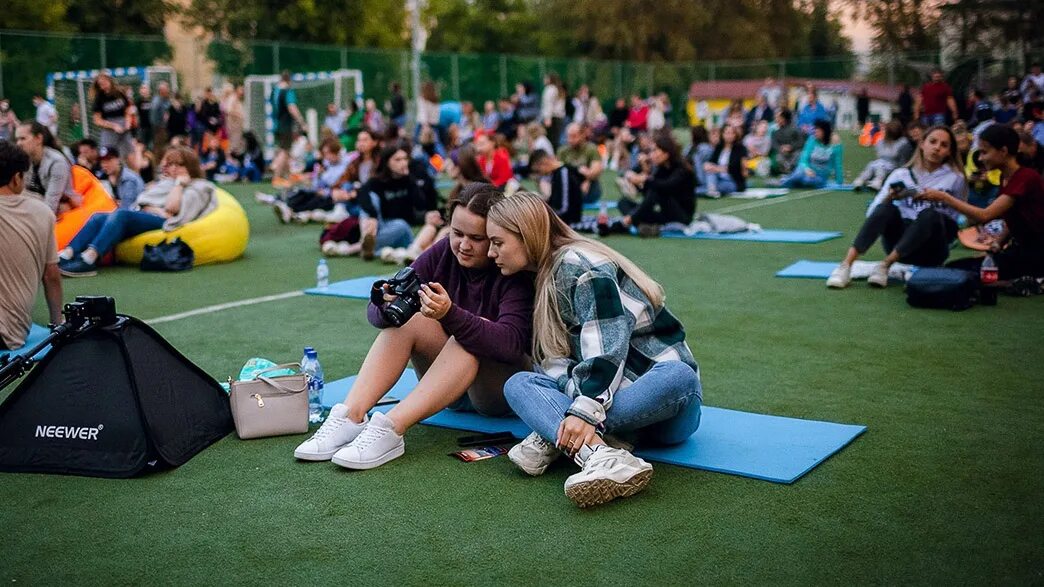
336	432
607	473
329	248
377	444
534	454
264	198
840	277
386	254
282	212
879	276
344	249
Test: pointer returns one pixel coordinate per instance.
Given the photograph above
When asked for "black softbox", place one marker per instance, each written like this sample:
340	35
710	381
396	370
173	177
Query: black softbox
113	401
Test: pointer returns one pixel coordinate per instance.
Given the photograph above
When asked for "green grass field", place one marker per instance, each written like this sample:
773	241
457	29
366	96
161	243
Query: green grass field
945	487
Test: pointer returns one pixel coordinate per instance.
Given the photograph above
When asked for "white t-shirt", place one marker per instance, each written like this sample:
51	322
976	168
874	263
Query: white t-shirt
723	159
47	116
944	179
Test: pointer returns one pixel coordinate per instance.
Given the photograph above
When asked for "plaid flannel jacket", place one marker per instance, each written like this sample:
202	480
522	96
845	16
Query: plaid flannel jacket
616	335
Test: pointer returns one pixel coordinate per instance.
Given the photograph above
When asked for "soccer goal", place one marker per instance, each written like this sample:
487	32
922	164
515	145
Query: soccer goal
314	91
70	92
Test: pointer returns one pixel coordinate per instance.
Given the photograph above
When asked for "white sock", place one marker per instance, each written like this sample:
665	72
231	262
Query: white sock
89	256
66	254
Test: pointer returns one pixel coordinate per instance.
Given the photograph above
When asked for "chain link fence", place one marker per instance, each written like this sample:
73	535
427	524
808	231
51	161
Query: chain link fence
27	57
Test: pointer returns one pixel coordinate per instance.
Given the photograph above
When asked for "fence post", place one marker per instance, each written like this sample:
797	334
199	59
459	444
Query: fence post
503	75
710	71
101	51
1	65
344	57
652	79
782	71
275	58
619	79
542	63
455	75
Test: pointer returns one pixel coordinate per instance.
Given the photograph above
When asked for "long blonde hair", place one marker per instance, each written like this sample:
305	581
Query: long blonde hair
546	239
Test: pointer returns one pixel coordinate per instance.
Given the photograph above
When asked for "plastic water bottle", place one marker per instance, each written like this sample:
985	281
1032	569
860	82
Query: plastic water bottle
322	274
988	275
310	366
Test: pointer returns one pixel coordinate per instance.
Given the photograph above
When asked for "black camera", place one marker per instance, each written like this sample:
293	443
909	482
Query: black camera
901	191
406	285
100	310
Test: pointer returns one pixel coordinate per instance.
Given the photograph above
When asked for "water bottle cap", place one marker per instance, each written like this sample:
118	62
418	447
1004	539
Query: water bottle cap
309	349
322	261
311	353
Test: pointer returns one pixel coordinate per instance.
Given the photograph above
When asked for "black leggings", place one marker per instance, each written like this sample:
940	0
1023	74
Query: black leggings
655	208
924	241
303	200
1013	262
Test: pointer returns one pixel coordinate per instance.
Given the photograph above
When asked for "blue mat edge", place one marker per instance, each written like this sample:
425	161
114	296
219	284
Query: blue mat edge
826	236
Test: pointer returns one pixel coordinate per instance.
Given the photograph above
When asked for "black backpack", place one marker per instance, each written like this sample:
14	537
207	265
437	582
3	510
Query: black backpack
942	287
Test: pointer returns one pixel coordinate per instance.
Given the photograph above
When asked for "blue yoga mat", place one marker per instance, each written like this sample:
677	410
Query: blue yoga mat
808	269
36	335
771	448
839	187
765	236
609	205
334	392
358	288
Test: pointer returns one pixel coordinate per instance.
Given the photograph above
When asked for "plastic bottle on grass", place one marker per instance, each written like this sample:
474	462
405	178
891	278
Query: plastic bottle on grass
988	275
322	274
310	366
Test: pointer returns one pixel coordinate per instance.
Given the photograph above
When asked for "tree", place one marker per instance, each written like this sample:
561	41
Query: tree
901	26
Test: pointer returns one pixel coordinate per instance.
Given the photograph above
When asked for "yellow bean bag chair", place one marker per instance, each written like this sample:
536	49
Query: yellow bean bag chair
95	199
218	237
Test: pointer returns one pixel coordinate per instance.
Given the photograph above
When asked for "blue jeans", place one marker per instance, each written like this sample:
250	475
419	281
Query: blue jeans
661	407
395	233
594	193
934	119
720	182
105	230
800	179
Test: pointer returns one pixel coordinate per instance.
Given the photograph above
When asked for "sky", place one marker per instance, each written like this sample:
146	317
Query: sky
858	31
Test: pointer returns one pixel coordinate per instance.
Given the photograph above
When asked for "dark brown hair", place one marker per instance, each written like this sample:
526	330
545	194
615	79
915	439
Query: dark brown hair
476	197
185	157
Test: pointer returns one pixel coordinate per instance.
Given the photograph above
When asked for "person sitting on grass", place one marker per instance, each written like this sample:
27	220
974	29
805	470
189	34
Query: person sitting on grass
613	358
820	160
888	149
698	153
911	230
317	201
727	169
668	190
472	332
179	197
494	161
122	183
582	155
1019	251
787	143
388	202
30	254
758	145
564	192
50	173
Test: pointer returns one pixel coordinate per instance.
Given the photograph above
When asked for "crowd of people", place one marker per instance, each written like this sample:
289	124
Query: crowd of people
509	278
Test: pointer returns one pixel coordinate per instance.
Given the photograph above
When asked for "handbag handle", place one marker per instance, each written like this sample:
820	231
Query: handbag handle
292	366
281	386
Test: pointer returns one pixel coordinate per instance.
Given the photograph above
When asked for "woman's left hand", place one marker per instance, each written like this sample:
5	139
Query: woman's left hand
931	195
573	433
433	218
435	302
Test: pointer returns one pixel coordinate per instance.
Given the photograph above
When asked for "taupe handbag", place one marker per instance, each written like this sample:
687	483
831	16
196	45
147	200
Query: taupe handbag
270	406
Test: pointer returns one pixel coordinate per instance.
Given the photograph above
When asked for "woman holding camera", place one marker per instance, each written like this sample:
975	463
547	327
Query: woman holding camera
614	358
911	229
470	333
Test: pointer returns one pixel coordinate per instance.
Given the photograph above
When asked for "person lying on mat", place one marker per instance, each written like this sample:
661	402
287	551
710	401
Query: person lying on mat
1020	251
179	197
472	332
911	229
29	251
613	358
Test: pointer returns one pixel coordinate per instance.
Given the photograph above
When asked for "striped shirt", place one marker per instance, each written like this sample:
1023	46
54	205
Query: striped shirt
615	333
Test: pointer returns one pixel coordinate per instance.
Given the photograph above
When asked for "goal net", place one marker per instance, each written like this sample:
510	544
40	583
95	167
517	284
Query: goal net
70	92
314	92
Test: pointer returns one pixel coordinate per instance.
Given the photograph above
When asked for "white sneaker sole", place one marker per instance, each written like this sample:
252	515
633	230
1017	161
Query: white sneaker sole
316	456
373	464
837	284
517	459
878	284
598	491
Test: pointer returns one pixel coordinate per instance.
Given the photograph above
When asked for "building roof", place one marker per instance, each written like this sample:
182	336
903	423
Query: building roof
745	89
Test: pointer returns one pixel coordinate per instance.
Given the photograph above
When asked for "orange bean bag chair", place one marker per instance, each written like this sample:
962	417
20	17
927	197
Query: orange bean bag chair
95	199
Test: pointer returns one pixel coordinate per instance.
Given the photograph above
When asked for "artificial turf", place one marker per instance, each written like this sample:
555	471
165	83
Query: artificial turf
945	487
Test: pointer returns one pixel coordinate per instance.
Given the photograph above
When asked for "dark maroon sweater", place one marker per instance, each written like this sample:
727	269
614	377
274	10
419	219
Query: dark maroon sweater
491	315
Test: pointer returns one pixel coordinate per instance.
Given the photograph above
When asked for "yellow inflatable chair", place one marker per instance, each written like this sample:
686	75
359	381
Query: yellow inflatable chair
218	237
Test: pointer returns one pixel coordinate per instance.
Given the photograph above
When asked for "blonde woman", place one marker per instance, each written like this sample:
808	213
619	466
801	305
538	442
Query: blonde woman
613	358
